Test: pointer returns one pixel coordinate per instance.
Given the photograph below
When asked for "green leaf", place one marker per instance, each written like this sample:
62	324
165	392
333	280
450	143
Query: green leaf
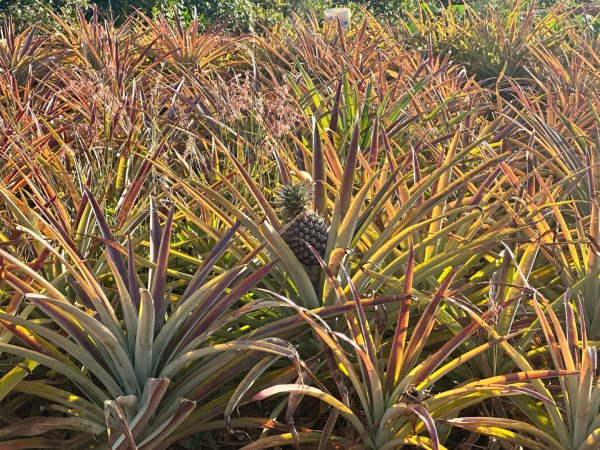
144	338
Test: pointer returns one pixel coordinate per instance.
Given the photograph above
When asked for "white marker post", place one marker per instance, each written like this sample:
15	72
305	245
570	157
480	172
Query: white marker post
332	14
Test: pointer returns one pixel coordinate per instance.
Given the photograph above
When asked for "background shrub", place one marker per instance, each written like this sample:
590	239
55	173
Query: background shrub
239	13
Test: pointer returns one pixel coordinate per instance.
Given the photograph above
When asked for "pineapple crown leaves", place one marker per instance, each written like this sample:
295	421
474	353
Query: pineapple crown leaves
293	200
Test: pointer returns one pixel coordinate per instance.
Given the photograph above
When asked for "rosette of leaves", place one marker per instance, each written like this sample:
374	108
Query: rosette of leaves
571	420
111	363
384	391
25	55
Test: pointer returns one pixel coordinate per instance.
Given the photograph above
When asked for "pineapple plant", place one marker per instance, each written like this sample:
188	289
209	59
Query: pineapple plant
303	225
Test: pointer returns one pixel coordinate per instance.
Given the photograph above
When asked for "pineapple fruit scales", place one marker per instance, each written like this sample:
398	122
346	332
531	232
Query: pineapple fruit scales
302	225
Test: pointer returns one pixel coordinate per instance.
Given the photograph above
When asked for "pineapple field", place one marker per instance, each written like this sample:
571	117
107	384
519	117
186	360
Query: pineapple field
381	236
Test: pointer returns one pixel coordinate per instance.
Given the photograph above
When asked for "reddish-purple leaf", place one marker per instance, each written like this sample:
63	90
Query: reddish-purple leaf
319	172
159	276
347	185
113	254
395	359
209	262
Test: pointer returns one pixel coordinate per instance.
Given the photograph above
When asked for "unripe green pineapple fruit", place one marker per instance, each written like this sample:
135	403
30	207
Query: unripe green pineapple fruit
301	224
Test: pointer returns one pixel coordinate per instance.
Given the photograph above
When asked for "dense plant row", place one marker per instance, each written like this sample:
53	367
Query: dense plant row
152	297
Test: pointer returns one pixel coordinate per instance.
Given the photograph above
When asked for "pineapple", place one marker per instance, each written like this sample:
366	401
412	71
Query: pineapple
302	224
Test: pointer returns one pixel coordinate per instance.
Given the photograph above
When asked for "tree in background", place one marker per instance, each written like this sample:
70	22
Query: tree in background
27	12
239	13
